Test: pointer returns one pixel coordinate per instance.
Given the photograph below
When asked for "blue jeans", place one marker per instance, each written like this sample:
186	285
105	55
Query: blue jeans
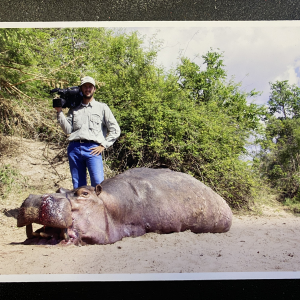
80	159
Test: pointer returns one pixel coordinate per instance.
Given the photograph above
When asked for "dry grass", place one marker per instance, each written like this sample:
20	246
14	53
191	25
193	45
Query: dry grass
9	146
29	119
265	200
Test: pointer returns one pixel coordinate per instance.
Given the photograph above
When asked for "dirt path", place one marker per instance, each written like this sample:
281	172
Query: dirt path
266	243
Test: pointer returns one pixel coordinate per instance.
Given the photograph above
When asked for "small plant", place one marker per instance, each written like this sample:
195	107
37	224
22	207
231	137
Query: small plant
10	179
293	204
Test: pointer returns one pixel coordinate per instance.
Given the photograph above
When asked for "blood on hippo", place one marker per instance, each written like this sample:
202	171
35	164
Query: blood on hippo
133	203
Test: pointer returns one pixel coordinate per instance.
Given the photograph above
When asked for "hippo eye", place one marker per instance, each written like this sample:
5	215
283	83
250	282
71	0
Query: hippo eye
85	193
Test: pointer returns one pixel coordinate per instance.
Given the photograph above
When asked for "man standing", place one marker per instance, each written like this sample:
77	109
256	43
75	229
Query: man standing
88	125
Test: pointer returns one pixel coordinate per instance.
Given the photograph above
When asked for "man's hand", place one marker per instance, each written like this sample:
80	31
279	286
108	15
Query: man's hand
58	109
97	150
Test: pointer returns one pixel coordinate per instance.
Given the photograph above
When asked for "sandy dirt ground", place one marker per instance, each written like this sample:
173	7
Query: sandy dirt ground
268	242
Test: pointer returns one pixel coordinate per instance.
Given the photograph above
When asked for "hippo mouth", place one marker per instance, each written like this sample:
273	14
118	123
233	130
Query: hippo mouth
54	213
47	235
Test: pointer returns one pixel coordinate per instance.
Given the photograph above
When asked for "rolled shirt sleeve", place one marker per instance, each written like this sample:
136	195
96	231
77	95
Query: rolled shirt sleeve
65	122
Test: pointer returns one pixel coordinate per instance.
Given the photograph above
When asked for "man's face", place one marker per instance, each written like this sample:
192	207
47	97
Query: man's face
88	90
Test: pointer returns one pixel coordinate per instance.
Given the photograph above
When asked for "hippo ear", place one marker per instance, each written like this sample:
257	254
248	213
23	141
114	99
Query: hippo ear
62	190
98	189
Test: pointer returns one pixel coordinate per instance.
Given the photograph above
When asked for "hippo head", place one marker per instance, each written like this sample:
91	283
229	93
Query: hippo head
68	216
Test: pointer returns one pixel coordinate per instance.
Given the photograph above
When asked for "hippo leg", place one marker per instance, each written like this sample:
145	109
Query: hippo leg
29	231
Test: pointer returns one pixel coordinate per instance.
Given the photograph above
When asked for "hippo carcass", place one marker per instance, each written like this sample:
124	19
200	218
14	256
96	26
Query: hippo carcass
133	203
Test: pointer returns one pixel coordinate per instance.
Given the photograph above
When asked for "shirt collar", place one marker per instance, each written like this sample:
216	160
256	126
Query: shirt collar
91	103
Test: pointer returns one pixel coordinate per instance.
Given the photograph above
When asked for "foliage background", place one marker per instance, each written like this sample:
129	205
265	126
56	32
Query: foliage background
278	161
191	119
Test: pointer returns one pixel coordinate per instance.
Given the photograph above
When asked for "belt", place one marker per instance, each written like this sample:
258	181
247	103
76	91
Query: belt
83	141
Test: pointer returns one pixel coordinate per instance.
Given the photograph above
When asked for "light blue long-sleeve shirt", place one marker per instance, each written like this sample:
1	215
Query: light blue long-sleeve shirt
90	122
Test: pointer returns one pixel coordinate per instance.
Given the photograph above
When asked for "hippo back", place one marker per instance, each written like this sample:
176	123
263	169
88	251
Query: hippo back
161	200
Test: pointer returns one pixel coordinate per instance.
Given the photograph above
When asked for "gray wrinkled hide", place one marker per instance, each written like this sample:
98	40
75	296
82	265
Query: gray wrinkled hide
132	203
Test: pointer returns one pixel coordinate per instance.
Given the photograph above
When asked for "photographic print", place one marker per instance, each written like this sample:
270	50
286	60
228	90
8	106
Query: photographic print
199	126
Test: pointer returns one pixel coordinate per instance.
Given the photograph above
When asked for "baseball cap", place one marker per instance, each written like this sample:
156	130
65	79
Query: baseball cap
87	79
